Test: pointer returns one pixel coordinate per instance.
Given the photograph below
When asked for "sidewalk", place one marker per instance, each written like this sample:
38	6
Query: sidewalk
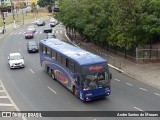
147	73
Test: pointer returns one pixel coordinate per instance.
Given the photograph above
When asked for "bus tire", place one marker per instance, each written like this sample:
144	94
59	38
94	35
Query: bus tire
49	71
52	75
75	91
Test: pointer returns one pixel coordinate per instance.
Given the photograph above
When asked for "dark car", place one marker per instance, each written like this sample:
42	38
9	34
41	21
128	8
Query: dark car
29	35
32	47
50	35
40	23
47	29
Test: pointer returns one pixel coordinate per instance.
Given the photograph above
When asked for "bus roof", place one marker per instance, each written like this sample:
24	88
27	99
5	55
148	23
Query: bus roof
77	54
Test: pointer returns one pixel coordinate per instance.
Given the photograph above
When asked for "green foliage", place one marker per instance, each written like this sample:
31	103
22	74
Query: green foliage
44	3
123	23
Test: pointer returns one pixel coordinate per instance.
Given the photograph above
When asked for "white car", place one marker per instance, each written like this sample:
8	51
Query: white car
31	28
15	60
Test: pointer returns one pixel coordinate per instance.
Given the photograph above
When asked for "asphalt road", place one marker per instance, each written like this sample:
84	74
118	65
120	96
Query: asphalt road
33	90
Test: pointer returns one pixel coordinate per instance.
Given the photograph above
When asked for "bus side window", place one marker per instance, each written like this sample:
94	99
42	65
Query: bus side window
41	48
67	63
58	57
44	49
64	61
53	55
48	51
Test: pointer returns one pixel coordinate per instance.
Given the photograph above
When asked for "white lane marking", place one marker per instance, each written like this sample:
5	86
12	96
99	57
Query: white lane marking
20	32
15	33
12	102
129	84
56	31
157	94
143	89
60	31
10	33
41	32
24	32
3	104
52	90
3	96
138	109
2	91
31	71
117	80
53	32
36	32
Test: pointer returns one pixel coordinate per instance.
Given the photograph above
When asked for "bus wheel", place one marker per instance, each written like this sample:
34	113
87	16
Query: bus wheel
48	70
75	91
52	75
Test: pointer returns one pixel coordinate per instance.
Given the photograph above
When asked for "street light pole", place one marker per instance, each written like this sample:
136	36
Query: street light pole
14	22
23	15
4	22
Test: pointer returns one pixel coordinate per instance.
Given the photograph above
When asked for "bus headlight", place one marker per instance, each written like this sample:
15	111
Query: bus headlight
107	90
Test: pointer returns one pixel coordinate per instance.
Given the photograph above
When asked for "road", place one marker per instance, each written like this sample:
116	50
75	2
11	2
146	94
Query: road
32	89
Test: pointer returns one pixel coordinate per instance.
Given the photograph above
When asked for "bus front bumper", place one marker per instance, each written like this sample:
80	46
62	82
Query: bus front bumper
96	96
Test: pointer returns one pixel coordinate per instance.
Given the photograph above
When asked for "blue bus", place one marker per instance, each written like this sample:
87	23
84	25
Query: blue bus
83	73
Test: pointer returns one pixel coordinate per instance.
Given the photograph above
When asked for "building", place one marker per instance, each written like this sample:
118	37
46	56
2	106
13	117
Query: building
5	2
32	1
18	2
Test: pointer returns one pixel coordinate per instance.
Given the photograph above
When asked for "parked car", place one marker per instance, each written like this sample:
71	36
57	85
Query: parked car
29	35
15	60
47	29
31	28
50	35
40	23
32	46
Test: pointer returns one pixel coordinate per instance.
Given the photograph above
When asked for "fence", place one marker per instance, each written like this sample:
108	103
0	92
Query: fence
147	55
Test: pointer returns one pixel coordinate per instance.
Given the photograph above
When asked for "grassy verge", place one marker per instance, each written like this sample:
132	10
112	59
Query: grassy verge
19	17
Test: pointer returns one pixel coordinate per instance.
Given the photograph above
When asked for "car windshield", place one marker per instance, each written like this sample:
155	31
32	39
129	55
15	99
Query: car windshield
51	36
29	32
94	81
32	44
15	57
31	27
47	27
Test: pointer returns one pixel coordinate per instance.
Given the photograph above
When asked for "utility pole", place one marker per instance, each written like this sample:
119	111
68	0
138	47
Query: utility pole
22	15
12	10
4	9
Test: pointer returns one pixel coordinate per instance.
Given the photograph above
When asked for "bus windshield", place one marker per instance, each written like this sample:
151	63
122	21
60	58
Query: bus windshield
94	81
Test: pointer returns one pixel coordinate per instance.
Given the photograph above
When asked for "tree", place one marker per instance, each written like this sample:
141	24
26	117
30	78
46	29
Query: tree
44	3
122	23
